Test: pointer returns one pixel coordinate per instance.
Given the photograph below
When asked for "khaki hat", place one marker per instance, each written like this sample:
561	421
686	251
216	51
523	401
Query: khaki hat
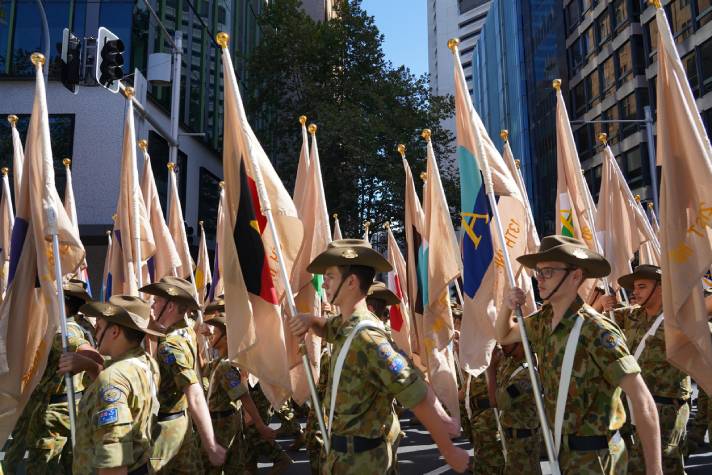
349	252
569	251
643	271
217	305
218	320
76	288
379	291
174	289
123	310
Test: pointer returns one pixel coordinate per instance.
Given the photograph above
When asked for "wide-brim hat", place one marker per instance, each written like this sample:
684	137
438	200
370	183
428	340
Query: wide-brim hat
379	291
123	310
217	305
174	289
76	288
643	271
570	251
217	320
349	252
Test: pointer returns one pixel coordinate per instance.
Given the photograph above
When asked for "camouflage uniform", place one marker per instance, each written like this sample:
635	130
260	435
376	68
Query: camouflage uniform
256	445
115	415
16	447
486	445
518	416
48	430
670	387
594	407
700	424
226	388
175	448
314	439
373	374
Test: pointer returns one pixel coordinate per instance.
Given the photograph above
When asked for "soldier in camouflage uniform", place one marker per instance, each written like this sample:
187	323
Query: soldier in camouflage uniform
48	430
486	443
226	393
314	439
517	413
372	373
670	387
115	415
290	425
175	447
600	364
699	426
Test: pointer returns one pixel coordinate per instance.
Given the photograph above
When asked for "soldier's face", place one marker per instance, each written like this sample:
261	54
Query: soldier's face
643	288
332	280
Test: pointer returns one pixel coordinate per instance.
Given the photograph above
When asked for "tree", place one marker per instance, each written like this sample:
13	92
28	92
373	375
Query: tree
335	73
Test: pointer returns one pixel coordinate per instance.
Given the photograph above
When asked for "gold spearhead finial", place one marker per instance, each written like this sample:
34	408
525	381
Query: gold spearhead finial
222	38
518	164
107	232
171	166
650	205
603	138
387	225
556	84
424	176
655	3
452	43
312	129
67	162
637	199
302	119
4	171
12	118
115	217
200	223
335	216
221	185
426	134
128	92
366	224
401	150
504	134
143	144
38	59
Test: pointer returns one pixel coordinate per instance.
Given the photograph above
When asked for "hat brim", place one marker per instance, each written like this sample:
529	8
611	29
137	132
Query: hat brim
97	310
160	289
628	280
216	322
593	265
337	257
146	330
78	294
386	295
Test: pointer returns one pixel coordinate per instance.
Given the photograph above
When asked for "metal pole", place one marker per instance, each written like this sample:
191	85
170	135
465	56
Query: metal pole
45	36
175	103
651	155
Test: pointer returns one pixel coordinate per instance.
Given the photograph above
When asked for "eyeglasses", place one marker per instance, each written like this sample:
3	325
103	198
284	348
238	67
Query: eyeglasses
548	272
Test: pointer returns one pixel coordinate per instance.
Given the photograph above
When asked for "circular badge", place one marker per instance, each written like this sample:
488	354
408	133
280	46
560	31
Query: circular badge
110	394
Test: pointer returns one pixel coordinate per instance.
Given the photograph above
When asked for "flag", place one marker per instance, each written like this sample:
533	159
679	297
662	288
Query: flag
132	225
685	154
311	208
415	254
7	220
650	250
18	156
337	228
513	166
301	181
620	222
203	277
71	208
106	277
255	329
165	261
217	288
176	227
29	315
399	314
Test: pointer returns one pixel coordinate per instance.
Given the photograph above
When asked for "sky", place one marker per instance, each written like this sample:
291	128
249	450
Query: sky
404	24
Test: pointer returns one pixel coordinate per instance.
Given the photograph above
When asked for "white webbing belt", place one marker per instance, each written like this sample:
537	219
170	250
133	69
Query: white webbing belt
565	381
340	365
467	396
639	351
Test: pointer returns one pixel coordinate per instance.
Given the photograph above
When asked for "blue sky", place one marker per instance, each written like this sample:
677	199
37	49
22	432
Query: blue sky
405	27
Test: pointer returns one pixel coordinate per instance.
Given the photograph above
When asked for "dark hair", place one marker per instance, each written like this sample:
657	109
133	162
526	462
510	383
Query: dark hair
364	274
379	306
73	304
132	335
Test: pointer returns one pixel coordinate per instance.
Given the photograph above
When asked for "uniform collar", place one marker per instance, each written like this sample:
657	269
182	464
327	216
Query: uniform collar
349	323
567	319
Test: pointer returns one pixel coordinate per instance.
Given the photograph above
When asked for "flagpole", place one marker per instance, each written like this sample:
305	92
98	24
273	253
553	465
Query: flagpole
38	60
536	389
129	93
266	208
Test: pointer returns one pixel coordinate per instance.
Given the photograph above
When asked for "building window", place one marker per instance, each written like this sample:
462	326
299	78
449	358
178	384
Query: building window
625	62
593	85
690	64
609	77
582	137
593	178
612	128
629	111
590	41
705	58
620	13
603	24
579	98
652	28
573	14
209	199
680	19
634	168
704	12
159	151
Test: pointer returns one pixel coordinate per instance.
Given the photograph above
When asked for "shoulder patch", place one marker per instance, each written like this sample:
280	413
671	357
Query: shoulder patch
384	350
107	416
396	363
169	358
110	394
609	340
233	377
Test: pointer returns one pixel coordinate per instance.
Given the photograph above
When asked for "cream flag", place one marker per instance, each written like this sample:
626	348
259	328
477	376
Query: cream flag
217	288
203	276
106	277
301	181
176	226
337	228
70	207
400	318
650	250
18	156
415	255
7	220
685	154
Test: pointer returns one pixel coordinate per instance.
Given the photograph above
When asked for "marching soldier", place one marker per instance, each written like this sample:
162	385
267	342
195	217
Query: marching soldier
366	371
228	389
699	426
258	446
485	438
175	448
583	360
115	415
670	387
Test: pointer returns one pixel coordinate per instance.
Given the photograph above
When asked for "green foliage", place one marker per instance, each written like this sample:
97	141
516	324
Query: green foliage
334	72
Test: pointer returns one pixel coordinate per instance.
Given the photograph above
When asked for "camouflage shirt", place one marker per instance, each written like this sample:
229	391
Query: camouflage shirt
373	374
662	378
52	381
226	385
176	359
115	415
515	399
602	359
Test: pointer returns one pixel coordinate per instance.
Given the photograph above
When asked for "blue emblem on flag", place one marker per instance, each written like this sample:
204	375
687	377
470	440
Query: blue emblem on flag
107	416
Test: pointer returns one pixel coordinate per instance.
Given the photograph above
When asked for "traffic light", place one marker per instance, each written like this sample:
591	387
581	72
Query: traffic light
110	60
70	61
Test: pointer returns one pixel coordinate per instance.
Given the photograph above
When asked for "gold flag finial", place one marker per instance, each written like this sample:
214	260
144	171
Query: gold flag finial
302	119
114	217
335	215
222	38
637	199
401	150
603	138
171	166
655	3
387	225
200	223
312	129
426	134
143	144
221	185
108	232
650	205
128	92
556	84
367	224
67	162
12	118
38	59
518	164
424	176
504	133
4	171
452	43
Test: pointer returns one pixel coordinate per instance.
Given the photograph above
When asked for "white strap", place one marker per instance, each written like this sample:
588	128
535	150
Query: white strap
340	365
521	368
565	380
467	396
639	351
